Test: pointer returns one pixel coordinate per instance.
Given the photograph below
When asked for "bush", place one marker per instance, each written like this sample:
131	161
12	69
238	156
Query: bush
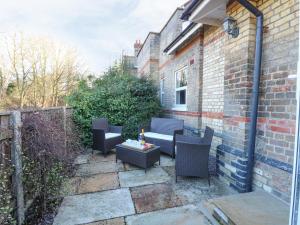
6	204
47	162
122	99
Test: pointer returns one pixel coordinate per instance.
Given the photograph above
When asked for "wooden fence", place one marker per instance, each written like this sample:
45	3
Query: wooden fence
11	149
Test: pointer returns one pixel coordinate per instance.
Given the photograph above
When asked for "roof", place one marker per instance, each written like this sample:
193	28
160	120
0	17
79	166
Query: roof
177	9
151	32
188	10
180	36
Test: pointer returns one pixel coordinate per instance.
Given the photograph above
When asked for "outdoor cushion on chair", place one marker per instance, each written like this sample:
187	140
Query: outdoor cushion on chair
159	136
105	136
111	135
162	132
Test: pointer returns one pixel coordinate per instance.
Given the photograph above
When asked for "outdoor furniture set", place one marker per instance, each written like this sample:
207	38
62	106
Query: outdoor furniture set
166	135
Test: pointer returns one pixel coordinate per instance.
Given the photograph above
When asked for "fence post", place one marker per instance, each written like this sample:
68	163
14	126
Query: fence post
17	162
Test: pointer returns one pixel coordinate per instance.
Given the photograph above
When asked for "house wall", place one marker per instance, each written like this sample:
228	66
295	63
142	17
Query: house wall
277	109
276	122
188	56
148	57
213	81
220	90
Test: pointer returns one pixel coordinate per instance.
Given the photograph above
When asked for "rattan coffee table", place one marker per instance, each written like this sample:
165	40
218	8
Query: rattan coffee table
141	158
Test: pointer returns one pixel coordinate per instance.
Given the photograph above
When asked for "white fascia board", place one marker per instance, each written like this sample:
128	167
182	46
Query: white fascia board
191	32
207	9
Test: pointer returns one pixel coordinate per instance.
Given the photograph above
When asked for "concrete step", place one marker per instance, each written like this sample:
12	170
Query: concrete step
255	208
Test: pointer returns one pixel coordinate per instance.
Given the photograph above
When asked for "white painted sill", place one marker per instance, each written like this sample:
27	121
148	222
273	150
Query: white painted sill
180	108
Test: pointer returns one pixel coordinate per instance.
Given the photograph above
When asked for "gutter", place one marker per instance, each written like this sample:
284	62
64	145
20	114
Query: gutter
181	35
187	12
255	90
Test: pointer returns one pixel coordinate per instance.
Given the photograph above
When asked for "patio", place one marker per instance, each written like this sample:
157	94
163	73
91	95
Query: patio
106	192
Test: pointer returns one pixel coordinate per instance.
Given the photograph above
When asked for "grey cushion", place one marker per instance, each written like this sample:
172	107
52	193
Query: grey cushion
159	136
111	135
166	125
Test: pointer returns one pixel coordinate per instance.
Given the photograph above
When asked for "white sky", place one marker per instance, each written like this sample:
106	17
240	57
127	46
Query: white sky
99	29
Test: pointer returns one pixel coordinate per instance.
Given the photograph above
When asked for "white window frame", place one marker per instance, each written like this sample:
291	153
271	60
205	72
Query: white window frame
181	107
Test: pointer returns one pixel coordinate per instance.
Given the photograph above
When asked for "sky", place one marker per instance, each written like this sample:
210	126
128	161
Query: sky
99	29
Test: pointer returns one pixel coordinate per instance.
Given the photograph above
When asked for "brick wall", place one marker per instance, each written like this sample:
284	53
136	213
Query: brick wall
220	84
188	55
277	109
191	58
239	54
276	122
148	57
213	81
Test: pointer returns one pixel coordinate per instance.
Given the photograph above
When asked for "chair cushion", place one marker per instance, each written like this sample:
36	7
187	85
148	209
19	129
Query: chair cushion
158	136
111	135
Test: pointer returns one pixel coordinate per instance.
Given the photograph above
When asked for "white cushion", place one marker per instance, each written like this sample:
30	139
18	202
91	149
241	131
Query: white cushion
159	136
111	135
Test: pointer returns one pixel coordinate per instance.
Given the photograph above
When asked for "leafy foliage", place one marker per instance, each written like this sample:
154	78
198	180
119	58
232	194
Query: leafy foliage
47	161
121	98
6	205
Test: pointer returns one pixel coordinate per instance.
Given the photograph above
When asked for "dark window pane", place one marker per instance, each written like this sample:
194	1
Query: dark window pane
181	97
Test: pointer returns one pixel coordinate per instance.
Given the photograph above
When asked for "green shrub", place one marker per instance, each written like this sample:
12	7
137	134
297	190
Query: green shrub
122	99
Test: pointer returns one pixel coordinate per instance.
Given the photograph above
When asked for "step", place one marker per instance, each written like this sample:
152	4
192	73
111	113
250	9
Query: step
255	208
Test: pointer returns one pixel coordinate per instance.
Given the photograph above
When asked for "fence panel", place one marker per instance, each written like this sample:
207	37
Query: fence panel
6	189
10	154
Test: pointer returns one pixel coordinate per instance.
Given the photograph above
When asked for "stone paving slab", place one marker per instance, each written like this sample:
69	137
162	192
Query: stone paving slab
129	167
166	160
154	197
116	221
98	182
197	189
139	177
82	159
99	157
70	186
87	208
255	208
99	167
185	215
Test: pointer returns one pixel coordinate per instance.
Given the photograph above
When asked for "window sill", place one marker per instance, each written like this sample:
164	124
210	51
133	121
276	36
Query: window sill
179	108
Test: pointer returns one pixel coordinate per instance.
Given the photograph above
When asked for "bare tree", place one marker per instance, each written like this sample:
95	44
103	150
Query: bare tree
42	71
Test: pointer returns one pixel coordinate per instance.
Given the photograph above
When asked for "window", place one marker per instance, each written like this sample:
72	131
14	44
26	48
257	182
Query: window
181	87
162	90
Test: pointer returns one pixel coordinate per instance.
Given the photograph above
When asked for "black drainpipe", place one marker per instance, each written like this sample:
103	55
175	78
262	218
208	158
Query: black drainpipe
255	90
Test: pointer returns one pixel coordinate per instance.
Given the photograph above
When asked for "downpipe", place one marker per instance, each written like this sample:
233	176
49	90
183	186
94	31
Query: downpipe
255	91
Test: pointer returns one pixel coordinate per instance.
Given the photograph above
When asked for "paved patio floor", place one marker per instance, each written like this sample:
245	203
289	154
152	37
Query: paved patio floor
108	193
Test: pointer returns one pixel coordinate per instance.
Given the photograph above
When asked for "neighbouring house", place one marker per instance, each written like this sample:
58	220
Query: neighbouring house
205	77
129	62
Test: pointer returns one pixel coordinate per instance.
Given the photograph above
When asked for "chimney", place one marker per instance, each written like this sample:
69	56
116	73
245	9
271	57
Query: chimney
137	47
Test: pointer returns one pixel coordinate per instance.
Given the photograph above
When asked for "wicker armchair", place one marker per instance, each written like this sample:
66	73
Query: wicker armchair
192	155
105	136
